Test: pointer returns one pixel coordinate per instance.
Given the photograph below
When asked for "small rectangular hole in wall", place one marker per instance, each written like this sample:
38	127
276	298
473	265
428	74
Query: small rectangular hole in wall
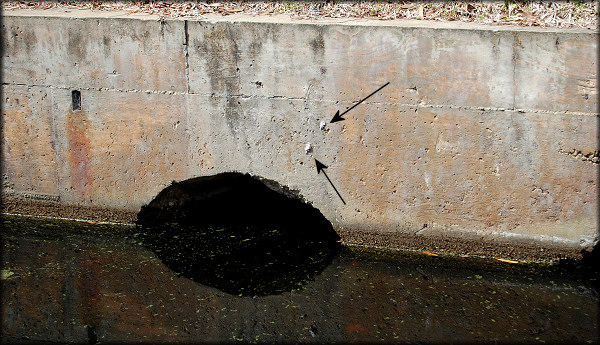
76	99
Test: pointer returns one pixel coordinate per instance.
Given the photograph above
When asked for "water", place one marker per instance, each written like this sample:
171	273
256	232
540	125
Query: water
240	260
77	282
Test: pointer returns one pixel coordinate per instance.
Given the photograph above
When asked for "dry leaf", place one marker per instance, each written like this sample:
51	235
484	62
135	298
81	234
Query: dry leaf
524	13
509	261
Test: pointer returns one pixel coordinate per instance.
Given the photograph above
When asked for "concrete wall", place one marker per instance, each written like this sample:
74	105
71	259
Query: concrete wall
483	132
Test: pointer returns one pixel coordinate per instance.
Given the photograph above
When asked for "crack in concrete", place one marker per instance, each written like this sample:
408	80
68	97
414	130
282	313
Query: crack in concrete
187	55
591	157
514	74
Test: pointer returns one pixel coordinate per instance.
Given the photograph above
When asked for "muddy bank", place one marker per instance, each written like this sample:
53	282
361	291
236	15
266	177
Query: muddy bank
51	208
459	246
523	250
79	282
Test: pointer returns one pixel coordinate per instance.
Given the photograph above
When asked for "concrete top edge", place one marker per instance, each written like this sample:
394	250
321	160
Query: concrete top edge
286	19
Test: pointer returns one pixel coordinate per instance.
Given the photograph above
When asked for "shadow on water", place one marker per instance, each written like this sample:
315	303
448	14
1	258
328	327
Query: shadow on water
243	235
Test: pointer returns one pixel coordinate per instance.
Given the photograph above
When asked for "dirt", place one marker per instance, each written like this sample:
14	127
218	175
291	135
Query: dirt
57	209
562	14
467	247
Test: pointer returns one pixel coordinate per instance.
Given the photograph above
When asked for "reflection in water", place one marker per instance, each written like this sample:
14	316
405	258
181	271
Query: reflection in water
78	282
242	260
242	234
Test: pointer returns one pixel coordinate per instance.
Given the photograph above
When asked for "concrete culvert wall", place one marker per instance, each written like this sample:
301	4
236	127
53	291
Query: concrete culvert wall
484	140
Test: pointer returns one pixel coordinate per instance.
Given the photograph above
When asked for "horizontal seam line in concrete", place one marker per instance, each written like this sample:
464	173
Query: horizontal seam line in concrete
110	89
244	96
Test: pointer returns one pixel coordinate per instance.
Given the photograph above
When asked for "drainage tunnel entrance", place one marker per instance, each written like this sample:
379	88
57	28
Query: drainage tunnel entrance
241	234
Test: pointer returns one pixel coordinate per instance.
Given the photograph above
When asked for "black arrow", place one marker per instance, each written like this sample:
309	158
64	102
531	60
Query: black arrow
338	117
321	166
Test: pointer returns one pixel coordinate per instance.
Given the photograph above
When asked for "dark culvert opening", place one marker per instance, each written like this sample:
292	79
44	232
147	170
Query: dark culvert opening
241	234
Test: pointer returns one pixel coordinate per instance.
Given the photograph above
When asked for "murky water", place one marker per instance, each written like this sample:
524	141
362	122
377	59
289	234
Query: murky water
240	260
78	282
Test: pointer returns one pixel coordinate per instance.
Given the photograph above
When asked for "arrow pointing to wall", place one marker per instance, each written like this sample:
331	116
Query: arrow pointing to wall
338	117
321	166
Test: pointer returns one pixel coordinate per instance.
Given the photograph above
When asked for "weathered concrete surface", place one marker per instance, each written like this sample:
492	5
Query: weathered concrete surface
486	133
